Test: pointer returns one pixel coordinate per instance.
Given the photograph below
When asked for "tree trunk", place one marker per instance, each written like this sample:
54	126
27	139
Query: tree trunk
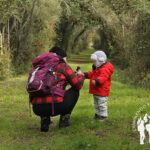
1	44
8	46
24	40
78	36
30	22
3	36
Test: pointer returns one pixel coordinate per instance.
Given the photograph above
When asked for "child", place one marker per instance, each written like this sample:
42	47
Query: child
100	82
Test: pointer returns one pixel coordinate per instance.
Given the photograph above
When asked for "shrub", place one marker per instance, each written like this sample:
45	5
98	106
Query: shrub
5	65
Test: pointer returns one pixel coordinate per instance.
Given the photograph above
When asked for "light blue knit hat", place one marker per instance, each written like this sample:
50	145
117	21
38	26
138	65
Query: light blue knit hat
100	58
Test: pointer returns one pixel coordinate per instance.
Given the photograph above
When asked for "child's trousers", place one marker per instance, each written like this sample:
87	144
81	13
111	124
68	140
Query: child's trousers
100	103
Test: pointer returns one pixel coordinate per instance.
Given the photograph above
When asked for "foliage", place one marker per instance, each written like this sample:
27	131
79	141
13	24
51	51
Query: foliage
125	39
5	65
31	29
119	27
73	26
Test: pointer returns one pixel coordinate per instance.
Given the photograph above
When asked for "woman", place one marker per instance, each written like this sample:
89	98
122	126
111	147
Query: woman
53	105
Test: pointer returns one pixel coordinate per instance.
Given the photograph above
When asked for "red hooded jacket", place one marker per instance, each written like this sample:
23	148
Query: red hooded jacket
102	76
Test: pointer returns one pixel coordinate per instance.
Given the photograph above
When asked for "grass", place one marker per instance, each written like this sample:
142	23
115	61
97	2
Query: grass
19	131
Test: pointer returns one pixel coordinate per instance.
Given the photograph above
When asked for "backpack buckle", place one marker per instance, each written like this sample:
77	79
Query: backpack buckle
50	69
41	82
58	85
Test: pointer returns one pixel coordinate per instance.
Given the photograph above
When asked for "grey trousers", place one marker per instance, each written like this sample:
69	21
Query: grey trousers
100	103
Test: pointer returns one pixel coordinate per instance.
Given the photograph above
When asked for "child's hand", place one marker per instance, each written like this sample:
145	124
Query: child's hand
93	82
93	67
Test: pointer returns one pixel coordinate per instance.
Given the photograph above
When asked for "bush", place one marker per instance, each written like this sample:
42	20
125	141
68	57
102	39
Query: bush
5	65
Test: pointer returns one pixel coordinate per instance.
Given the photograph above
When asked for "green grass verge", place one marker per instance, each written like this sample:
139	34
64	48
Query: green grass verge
19	131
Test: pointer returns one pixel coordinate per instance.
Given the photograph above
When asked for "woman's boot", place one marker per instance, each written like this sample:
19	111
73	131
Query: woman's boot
45	122
64	121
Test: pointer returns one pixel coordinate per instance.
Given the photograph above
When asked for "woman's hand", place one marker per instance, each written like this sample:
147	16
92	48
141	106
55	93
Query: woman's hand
93	82
80	72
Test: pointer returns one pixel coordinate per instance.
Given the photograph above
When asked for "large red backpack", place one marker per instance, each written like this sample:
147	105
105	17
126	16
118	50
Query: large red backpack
42	80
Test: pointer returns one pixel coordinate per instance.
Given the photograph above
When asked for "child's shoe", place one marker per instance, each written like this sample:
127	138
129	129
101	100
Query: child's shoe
100	118
103	119
96	117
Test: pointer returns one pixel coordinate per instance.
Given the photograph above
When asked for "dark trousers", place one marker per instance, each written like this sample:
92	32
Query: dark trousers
63	108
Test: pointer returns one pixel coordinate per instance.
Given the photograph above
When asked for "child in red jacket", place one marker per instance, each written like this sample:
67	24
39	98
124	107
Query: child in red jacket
100	82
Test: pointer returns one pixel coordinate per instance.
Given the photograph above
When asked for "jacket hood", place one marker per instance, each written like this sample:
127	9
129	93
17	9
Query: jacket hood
109	66
100	58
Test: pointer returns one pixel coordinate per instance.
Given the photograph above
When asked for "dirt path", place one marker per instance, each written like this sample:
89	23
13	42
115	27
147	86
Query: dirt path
81	60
